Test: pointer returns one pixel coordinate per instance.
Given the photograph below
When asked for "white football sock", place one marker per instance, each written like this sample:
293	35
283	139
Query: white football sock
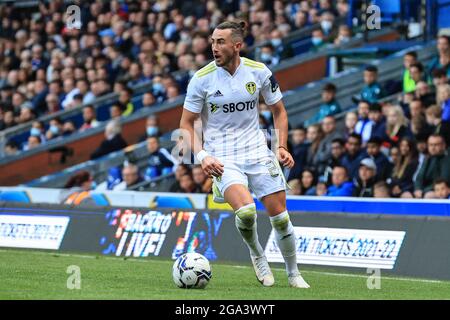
285	237
246	224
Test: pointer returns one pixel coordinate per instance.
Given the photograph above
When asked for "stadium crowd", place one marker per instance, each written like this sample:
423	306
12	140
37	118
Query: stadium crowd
45	66
384	149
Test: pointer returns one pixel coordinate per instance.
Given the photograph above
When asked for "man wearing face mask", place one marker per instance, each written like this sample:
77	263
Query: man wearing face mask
268	56
326	23
151	128
37	130
317	40
114	140
55	130
280	49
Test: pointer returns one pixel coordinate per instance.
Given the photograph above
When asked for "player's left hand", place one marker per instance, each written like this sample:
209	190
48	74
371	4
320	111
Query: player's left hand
285	158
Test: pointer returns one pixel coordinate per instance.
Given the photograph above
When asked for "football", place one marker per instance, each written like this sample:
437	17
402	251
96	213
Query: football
191	271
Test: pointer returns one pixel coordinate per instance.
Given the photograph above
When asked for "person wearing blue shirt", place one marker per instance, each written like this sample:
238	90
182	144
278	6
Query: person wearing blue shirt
328	107
442	60
341	187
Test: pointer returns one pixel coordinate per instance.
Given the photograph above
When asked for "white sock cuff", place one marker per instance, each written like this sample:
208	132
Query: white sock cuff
280	217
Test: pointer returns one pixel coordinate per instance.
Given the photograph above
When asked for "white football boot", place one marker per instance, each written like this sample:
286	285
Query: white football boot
262	270
297	281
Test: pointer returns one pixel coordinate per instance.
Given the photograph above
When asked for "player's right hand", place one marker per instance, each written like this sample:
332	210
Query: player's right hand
212	166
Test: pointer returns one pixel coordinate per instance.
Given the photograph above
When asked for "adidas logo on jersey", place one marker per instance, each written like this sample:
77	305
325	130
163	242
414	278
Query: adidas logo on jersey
218	94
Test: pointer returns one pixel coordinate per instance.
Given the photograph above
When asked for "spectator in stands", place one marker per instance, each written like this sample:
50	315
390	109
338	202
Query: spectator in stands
201	180
409	59
308	182
116	110
364	125
113	179
8	120
418	124
89	118
435	166
299	151
53	104
442	61
181	170
125	99
38	130
317	40
363	184
434	119
443	100
148	100
321	189
396	126
337	152
68	128
327	25
113	142
381	190
353	155
341	186
11	148
351	119
439	77
384	167
378	127
78	187
131	177
33	142
423	92
159	160
187	184
405	166
55	129
323	152
314	136
268	55
344	35
417	73
441	188
328	107
372	90
151	128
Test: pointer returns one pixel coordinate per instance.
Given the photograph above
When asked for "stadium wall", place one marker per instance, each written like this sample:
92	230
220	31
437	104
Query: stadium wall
406	245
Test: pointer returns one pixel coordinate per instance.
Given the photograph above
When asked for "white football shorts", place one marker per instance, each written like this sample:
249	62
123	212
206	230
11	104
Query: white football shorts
263	177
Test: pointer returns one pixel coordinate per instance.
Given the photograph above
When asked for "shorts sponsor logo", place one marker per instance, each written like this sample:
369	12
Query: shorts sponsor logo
342	247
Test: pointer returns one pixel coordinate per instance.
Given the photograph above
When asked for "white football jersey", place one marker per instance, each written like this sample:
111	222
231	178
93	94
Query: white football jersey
229	108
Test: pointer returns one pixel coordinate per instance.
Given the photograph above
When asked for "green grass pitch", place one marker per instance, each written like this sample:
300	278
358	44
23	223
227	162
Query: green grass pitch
26	274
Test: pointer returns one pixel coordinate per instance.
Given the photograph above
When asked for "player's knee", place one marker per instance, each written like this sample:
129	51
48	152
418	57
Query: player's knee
247	214
281	222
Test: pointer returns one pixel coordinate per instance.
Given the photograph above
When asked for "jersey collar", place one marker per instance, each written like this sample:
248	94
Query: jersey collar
225	71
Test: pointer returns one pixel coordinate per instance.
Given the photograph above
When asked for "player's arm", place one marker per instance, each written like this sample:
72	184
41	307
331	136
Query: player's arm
193	105
210	165
281	124
271	93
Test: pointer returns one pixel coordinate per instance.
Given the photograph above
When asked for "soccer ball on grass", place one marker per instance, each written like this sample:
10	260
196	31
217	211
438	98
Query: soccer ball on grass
191	271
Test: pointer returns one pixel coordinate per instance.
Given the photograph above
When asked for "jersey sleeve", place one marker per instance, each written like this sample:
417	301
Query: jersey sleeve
270	89
195	98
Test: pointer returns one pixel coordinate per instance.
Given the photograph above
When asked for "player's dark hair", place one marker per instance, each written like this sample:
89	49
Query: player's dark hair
237	29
